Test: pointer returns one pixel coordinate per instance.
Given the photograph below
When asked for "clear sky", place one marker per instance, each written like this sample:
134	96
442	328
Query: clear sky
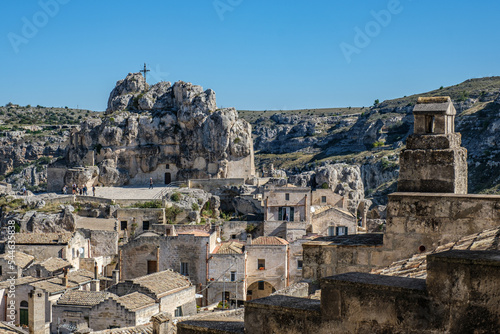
255	54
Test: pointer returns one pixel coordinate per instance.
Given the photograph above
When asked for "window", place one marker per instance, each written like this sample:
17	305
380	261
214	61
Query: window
261	264
299	264
167	166
82	252
145	225
287	197
249	292
261	285
178	311
323	199
233	236
1	271
123	225
184	269
286	213
38	273
429	124
331	231
233	276
341	230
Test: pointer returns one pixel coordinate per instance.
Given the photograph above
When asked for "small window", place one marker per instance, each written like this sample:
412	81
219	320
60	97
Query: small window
1	271
323	199
233	276
287	197
299	264
167	166
249	292
341	230
123	225
261	264
152	267
24	304
331	231
184	269
233	236
178	311
38	273
261	285
145	225
81	252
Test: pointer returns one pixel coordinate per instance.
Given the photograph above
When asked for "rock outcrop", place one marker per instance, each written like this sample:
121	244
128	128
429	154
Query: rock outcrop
165	132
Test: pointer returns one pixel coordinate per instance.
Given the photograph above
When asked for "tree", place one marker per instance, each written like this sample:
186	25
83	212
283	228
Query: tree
377	101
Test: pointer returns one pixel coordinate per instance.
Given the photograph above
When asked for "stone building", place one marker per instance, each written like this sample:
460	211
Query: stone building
267	266
99	310
416	221
65	245
137	220
14	262
186	253
53	266
227	273
172	291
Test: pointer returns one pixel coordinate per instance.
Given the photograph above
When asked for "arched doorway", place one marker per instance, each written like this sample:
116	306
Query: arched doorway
259	289
23	313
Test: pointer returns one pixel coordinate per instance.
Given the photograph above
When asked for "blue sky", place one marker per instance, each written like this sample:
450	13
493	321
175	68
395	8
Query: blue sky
255	54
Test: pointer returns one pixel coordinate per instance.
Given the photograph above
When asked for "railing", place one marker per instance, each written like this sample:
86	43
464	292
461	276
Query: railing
167	187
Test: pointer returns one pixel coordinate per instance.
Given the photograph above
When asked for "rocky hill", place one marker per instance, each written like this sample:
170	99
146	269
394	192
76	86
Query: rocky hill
297	141
372	137
163	129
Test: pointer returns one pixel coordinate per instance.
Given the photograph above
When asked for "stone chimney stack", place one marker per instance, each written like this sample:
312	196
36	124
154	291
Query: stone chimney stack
94	285
36	311
161	323
65	278
433	161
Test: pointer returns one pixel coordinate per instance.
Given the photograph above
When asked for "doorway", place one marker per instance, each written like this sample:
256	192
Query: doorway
168	178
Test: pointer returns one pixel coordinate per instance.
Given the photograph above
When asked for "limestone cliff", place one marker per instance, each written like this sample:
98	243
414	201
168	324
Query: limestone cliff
166	132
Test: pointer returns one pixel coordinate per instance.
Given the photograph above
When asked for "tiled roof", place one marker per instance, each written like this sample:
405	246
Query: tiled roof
230	247
43	238
80	276
162	282
135	301
54	263
196	233
7	329
416	266
21	259
269	241
142	329
83	298
20	281
52	285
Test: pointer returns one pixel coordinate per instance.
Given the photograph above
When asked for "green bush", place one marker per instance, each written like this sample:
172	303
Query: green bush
324	185
148	205
176	197
378	143
195	207
171	214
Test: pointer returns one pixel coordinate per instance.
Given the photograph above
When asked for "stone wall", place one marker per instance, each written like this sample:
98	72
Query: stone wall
276	265
416	220
219	273
185	299
209	185
135	218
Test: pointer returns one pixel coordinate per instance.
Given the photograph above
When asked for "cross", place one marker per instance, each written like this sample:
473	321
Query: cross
144	71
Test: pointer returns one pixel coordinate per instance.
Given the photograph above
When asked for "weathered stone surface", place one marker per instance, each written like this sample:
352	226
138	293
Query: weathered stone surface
178	131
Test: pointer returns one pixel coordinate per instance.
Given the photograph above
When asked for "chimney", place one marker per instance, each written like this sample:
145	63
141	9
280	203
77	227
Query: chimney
94	285
161	323
36	311
249	238
116	277
65	278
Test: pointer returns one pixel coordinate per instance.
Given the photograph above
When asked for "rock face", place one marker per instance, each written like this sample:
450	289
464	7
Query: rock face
343	179
166	132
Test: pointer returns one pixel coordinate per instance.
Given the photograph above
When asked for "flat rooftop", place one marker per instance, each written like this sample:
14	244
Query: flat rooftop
369	239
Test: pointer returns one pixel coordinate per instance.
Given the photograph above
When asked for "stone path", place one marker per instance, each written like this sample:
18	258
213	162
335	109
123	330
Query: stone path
127	192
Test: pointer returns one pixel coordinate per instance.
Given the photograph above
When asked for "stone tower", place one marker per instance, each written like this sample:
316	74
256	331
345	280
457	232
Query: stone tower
433	161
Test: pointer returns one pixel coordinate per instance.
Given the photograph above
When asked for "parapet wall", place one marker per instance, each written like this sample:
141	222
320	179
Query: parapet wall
423	221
